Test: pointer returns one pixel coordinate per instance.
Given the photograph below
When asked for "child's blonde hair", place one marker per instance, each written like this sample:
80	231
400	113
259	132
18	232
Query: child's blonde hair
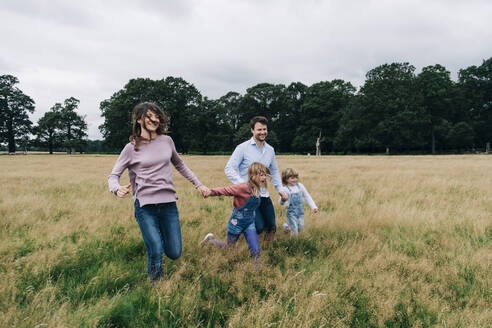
289	173
254	170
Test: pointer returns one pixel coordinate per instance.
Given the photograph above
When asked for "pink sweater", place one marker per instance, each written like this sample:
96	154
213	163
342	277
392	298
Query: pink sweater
241	193
150	171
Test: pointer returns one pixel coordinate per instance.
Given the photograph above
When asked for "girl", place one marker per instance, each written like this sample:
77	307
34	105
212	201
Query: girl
246	201
148	157
295	204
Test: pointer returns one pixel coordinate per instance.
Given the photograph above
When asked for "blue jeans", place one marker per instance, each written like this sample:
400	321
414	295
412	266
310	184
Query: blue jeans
251	238
161	232
265	216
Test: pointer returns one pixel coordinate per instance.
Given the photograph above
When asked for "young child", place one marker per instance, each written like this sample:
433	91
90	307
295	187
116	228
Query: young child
295	205
246	201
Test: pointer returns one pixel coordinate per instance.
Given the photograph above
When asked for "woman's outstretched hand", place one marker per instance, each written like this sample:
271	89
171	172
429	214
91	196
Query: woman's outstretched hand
204	191
123	190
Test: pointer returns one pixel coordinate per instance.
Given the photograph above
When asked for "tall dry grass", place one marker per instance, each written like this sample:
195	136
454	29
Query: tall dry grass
400	241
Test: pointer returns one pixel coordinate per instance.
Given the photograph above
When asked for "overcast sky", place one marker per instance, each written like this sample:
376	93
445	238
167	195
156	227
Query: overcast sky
90	49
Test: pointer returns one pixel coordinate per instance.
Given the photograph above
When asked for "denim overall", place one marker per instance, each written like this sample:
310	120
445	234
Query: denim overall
243	221
295	211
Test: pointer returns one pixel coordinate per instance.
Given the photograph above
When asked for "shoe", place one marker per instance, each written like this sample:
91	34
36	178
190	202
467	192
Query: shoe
286	227
206	239
257	263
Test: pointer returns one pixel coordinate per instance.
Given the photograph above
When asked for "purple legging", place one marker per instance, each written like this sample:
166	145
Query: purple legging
251	238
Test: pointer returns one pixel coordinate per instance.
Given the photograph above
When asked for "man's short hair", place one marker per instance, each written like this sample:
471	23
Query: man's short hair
258	119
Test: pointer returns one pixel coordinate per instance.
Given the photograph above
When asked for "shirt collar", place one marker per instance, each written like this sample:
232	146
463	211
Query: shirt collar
253	142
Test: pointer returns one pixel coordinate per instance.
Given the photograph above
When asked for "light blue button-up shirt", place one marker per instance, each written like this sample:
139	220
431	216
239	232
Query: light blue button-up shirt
247	153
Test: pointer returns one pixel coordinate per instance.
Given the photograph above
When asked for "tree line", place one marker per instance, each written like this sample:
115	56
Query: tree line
396	110
59	128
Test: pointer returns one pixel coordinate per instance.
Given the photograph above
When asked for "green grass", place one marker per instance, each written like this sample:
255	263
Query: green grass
398	242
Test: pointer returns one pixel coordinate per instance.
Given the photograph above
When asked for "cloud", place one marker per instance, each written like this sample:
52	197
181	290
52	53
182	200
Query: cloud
7	66
90	49
176	9
59	11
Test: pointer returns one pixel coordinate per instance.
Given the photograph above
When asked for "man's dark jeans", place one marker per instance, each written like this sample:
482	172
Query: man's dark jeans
265	216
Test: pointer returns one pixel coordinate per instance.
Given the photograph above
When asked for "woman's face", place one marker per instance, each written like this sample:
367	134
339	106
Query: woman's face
149	121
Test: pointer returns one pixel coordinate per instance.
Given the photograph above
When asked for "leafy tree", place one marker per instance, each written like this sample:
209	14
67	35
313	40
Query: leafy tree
242	134
210	131
321	111
96	146
475	84
271	101
117	111
180	100
461	136
14	108
228	106
392	114
204	127
175	96
289	116
263	99
228	117
353	131
72	126
47	131
437	91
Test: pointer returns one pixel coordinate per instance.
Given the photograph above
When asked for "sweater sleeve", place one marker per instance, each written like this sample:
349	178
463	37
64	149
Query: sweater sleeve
307	197
235	190
121	164
182	168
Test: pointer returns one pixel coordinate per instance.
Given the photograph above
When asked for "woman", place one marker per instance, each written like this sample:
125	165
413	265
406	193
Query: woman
147	157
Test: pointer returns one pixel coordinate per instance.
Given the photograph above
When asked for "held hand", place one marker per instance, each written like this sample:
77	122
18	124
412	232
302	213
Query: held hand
123	190
204	191
315	210
284	196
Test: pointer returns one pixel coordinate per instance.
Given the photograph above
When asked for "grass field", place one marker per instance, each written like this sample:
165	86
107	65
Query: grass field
400	241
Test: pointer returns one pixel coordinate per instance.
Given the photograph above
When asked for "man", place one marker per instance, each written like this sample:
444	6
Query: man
236	169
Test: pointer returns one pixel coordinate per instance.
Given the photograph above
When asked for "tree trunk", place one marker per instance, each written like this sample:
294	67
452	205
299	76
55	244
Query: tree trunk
50	143
318	145
10	136
69	139
433	143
